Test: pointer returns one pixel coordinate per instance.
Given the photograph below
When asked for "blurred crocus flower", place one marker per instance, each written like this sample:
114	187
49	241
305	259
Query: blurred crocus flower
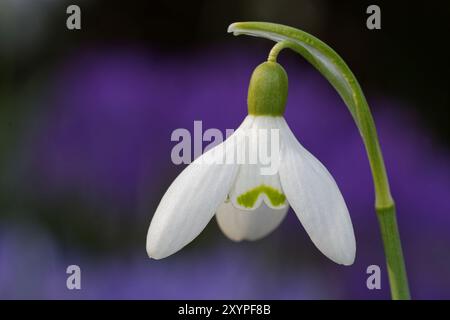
249	202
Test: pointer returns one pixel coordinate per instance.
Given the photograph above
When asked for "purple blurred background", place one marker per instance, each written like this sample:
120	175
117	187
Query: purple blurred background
85	159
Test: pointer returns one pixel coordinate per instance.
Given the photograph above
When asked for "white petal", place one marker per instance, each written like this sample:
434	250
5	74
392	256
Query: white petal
240	225
316	199
192	199
258	180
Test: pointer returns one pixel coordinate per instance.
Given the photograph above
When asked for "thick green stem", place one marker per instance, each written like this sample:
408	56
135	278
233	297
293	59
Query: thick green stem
393	251
336	71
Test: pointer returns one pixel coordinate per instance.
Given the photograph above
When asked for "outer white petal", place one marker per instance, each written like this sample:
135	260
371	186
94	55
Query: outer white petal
192	199
240	225
316	199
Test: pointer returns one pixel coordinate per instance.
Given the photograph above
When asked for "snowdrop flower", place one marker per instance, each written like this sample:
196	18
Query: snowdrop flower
248	204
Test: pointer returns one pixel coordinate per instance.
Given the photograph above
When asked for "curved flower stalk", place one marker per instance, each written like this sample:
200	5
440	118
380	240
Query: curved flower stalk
335	70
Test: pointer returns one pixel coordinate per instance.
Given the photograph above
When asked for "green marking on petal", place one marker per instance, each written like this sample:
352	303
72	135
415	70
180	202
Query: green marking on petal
249	198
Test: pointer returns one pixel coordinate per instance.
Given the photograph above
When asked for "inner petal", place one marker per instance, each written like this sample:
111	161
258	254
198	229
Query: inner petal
251	189
271	195
255	184
240	225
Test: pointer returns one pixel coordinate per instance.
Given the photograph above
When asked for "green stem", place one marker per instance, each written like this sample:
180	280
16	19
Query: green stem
393	251
336	71
276	50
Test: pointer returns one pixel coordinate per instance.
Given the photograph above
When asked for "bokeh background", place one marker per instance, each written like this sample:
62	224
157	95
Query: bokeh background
85	124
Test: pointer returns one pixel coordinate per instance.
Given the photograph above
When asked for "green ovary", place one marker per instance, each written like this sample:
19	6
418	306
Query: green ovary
248	199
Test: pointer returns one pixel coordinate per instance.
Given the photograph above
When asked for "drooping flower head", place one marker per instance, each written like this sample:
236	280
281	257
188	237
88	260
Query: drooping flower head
250	180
